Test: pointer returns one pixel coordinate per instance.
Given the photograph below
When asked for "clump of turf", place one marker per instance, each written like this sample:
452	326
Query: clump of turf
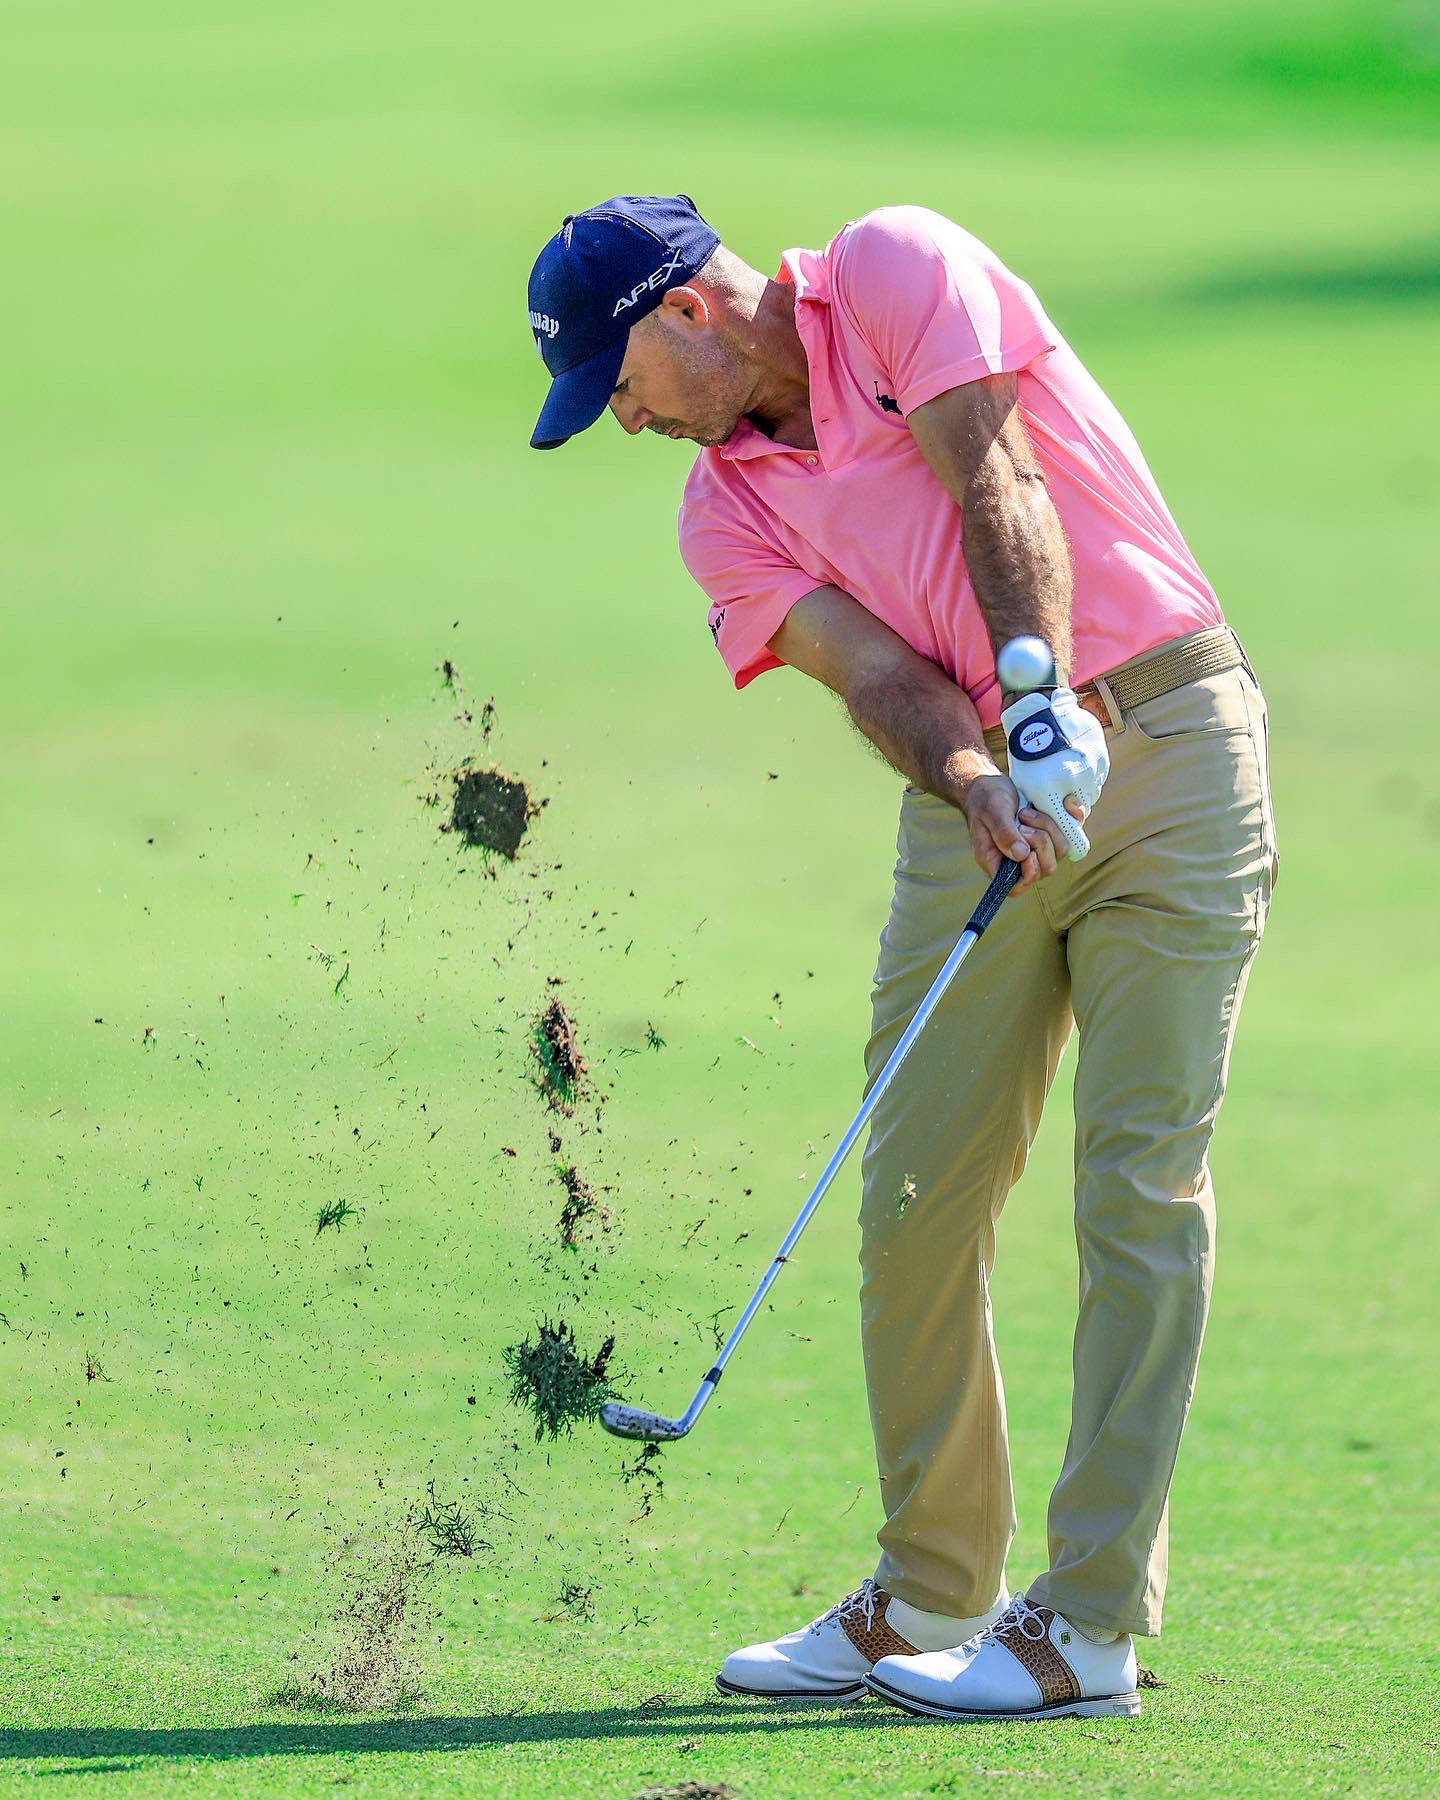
333	1215
907	1193
491	810
447	1529
574	1603
556	1048
554	1383
581	1208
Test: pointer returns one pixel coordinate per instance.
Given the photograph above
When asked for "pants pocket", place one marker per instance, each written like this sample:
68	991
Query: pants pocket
1209	707
1260	731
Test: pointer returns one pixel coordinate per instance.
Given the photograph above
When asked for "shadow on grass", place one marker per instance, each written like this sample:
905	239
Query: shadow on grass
81	1744
1408	277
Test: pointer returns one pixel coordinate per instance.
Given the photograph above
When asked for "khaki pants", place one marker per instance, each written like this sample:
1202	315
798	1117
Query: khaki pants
1147	944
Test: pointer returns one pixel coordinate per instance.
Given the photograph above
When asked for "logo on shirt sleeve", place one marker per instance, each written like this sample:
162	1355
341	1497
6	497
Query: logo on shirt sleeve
888	402
716	623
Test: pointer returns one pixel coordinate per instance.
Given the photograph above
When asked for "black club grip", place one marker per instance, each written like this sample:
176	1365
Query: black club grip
994	896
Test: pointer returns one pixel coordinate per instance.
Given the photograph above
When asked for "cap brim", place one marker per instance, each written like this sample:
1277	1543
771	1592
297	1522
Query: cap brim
579	396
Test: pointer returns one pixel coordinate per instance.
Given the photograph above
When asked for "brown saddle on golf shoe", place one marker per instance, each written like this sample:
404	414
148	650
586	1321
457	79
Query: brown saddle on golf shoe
830	1657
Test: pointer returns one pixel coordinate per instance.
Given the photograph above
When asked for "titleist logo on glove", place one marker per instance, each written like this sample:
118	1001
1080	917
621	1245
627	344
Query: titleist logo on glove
1057	750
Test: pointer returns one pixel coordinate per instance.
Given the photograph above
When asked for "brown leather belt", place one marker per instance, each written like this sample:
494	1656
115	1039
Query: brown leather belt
1093	701
1213	651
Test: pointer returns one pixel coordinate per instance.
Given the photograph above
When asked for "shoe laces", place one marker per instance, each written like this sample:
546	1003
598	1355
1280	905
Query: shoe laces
863	1600
1019	1615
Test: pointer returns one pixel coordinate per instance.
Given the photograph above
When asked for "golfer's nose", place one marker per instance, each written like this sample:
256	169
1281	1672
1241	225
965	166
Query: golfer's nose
632	416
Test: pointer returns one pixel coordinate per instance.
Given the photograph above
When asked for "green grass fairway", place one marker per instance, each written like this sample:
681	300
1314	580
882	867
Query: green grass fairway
268	388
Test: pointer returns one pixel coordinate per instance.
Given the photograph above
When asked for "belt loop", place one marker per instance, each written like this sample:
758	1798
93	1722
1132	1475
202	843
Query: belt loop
1112	706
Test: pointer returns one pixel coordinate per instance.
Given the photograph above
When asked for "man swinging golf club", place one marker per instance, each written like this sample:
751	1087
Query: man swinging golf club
904	467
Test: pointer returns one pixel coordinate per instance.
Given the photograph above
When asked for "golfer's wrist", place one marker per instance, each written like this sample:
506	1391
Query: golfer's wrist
964	767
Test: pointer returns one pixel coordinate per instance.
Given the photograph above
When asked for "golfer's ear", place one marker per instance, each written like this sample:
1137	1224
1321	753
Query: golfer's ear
686	303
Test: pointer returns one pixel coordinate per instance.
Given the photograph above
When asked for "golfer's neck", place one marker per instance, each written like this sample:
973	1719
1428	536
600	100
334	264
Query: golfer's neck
780	398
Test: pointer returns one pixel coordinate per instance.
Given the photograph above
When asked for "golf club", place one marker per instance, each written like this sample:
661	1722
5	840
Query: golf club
1023	663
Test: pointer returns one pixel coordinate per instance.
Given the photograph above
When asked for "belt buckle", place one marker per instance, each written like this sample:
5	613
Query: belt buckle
1098	699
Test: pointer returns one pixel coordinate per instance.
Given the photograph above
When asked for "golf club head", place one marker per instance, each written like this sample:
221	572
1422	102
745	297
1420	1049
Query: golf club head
630	1422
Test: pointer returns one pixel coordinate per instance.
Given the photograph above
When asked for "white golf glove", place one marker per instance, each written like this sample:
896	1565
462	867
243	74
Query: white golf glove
1056	749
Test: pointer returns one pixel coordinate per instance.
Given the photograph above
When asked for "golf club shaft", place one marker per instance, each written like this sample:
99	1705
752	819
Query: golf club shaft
990	903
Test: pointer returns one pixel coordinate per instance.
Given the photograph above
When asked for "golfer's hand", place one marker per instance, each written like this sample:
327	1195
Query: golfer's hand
1057	756
1001	826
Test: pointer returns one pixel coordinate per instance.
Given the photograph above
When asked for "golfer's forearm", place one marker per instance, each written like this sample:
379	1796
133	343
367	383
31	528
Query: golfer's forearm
922	724
1016	552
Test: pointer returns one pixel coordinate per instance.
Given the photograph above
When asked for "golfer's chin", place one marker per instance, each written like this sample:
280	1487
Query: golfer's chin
707	440
712	439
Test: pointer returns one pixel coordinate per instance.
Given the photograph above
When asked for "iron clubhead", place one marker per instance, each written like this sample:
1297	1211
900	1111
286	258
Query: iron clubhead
630	1422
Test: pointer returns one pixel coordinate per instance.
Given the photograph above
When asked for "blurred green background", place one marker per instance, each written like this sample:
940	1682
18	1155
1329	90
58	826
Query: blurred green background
267	392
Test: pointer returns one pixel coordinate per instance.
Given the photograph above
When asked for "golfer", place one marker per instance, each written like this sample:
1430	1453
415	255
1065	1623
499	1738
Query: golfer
902	466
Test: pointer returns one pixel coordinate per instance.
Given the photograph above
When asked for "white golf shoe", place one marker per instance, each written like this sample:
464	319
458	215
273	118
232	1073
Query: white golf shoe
829	1658
1030	1664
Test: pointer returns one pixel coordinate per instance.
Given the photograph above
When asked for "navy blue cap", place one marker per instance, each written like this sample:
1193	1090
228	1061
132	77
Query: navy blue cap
599	275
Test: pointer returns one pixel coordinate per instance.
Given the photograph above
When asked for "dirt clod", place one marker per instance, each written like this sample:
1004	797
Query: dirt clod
646	1470
689	1790
553	1382
557	1050
581	1209
372	1664
491	810
1147	1678
643	1466
367	1656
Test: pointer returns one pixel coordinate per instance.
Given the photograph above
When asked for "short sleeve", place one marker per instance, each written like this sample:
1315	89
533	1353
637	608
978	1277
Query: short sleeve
751	585
936	306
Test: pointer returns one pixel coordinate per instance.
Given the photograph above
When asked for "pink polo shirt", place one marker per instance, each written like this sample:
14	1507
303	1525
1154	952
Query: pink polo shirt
899	307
